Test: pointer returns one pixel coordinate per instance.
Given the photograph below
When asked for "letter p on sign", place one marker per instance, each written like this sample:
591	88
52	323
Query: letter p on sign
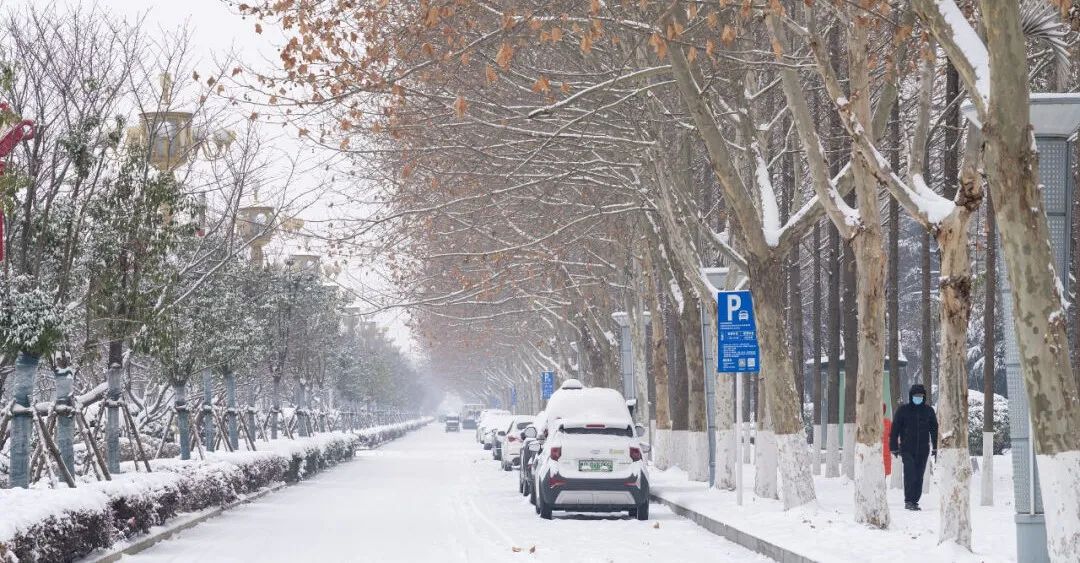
734	303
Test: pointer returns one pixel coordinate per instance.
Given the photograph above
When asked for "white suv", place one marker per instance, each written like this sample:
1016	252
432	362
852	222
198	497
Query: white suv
509	439
592	459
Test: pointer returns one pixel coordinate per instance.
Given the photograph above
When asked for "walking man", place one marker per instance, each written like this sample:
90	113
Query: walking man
914	436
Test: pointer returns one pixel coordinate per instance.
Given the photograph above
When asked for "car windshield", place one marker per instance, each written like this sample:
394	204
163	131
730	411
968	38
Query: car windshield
602	431
523	425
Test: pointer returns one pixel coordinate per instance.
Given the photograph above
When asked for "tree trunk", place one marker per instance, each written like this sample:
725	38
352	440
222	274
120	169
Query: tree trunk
989	357
1038	310
65	415
275	405
818	438
767	286
955	471
231	406
22	423
183	420
114	376
893	297
927	321
832	432
850	331
208	424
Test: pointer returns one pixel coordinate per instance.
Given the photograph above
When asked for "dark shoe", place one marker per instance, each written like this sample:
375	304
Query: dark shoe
911	506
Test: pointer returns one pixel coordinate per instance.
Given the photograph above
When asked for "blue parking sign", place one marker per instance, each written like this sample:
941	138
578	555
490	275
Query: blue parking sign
547	384
736	343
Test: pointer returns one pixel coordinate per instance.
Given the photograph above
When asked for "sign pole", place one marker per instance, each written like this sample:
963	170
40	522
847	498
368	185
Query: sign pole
738	438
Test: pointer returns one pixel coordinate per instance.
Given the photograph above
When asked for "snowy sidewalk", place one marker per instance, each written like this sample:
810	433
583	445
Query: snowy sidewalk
432	496
828	533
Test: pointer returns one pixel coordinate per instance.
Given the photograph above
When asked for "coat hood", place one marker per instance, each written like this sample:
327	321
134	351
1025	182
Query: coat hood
916	389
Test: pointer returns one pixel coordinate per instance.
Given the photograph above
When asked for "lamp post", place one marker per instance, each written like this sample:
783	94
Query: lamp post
716	277
1055	120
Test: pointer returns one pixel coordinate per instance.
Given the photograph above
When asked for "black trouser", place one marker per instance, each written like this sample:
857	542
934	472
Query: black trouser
914	469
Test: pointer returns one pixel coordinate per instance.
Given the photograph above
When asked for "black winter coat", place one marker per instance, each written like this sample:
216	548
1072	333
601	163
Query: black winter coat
914	428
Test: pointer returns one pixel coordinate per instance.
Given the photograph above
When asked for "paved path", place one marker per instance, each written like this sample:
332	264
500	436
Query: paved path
437	497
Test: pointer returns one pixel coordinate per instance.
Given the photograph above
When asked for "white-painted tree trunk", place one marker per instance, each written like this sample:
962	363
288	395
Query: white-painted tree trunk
815	451
848	454
832	450
870	505
1059	475
661	448
680	442
725	459
987	477
954	472
697	456
798	483
765	460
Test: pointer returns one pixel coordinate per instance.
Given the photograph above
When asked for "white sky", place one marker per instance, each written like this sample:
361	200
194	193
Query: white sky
218	30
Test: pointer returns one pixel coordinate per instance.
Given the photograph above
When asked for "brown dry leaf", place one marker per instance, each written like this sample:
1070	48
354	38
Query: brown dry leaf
504	56
492	76
712	20
594	7
515	549
460	106
710	47
565	88
541	85
586	44
692	55
728	35
556	34
258	28
253	116
692	11
532	549
656	526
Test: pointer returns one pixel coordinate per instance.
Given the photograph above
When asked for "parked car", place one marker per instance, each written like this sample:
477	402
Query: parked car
508	441
484	423
530	446
592	459
453	423
494	424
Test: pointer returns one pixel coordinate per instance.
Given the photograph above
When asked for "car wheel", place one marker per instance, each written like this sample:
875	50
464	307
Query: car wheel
642	511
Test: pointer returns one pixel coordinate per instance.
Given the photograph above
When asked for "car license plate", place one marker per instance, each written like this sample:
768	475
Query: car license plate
595	465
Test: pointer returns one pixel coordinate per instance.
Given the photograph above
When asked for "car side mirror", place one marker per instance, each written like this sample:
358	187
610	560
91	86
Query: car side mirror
534	447
639	430
530	432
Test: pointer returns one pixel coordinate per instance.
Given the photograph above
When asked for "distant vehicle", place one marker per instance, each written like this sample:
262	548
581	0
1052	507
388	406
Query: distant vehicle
492	425
483	425
453	423
530	446
508	441
470	414
592	458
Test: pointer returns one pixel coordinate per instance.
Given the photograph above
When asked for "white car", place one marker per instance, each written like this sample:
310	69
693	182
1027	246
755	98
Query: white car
483	424
508	441
592	459
493	423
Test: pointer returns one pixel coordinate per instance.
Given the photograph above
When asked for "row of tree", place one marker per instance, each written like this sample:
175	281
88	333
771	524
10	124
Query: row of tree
543	164
127	280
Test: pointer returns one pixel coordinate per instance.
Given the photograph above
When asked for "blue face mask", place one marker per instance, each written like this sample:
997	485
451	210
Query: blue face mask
917	399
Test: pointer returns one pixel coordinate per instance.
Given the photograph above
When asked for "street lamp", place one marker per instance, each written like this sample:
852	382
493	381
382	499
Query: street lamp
1055	120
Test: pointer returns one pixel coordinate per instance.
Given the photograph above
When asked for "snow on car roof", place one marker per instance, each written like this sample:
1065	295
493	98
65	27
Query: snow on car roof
596	404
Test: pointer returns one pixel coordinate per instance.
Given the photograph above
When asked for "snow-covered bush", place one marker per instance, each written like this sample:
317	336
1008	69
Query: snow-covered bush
975	422
41	524
30	321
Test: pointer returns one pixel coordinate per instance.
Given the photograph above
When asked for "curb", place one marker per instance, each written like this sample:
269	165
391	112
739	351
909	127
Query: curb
181	524
734	535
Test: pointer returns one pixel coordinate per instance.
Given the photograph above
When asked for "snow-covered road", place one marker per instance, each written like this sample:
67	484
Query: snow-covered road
436	497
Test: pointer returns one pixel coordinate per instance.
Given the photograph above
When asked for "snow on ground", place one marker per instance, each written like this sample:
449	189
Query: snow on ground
432	497
827	532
